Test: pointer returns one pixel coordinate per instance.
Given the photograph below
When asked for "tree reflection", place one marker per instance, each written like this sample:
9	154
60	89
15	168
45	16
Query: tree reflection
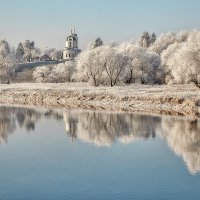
13	117
183	137
7	124
103	129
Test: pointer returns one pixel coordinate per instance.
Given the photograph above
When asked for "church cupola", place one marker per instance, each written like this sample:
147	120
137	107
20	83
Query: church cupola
72	39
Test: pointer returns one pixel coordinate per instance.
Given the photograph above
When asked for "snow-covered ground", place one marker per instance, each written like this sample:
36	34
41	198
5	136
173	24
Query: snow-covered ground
176	99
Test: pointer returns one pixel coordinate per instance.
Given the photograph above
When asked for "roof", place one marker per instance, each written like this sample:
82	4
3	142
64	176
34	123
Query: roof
74	36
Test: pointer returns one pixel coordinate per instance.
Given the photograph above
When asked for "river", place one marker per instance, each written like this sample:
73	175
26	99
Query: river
76	154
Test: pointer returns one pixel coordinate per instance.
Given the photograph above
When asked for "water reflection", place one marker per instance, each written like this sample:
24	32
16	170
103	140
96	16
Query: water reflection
14	117
183	137
103	129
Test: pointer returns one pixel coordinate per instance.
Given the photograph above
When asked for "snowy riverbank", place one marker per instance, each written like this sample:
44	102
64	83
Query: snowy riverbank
176	99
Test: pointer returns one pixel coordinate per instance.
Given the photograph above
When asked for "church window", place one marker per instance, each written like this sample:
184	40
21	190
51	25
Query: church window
70	44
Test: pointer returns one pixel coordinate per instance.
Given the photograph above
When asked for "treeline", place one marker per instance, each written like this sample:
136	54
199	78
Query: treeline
172	58
28	52
25	52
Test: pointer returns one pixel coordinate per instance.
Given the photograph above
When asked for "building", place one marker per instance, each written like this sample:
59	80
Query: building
71	47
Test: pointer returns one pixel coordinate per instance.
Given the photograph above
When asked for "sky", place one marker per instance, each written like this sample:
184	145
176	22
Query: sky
47	22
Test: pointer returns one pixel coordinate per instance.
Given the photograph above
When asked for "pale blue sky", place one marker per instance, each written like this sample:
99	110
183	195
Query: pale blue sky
47	21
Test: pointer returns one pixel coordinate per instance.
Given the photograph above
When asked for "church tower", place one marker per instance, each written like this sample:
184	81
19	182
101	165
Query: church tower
71	46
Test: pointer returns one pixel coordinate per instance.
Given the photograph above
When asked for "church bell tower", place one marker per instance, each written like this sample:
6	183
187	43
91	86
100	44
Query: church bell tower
71	47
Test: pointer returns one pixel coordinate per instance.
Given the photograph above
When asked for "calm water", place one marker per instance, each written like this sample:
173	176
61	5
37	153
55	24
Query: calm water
49	154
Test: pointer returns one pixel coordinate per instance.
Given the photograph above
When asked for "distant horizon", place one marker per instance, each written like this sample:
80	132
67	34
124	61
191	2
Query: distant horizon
48	22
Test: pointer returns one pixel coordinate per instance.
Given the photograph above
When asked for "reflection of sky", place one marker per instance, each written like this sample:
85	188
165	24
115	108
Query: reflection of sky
45	164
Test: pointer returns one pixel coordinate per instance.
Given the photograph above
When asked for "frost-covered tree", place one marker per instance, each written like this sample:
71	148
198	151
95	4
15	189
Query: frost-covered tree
182	60
11	64
179	55
115	63
35	54
29	46
8	62
135	55
51	53
57	74
145	40
150	71
63	72
56	54
4	49
90	66
98	42
165	40
20	52
42	74
153	38
143	65
94	44
102	65
173	57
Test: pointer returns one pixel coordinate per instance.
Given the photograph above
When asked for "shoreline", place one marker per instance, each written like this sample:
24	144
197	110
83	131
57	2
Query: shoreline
157	99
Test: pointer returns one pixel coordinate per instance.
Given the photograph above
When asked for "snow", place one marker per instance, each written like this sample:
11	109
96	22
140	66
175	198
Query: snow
165	99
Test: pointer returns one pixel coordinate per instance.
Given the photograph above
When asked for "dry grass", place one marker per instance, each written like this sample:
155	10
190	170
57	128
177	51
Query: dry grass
176	99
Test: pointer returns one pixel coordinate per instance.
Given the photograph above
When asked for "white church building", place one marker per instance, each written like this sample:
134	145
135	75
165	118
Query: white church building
71	46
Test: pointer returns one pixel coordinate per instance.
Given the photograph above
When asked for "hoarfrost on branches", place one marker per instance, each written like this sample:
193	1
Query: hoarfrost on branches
57	74
101	65
42	74
63	72
115	63
90	66
182	60
172	58
8	62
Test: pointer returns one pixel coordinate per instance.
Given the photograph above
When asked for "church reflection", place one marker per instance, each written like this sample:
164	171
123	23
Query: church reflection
103	129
